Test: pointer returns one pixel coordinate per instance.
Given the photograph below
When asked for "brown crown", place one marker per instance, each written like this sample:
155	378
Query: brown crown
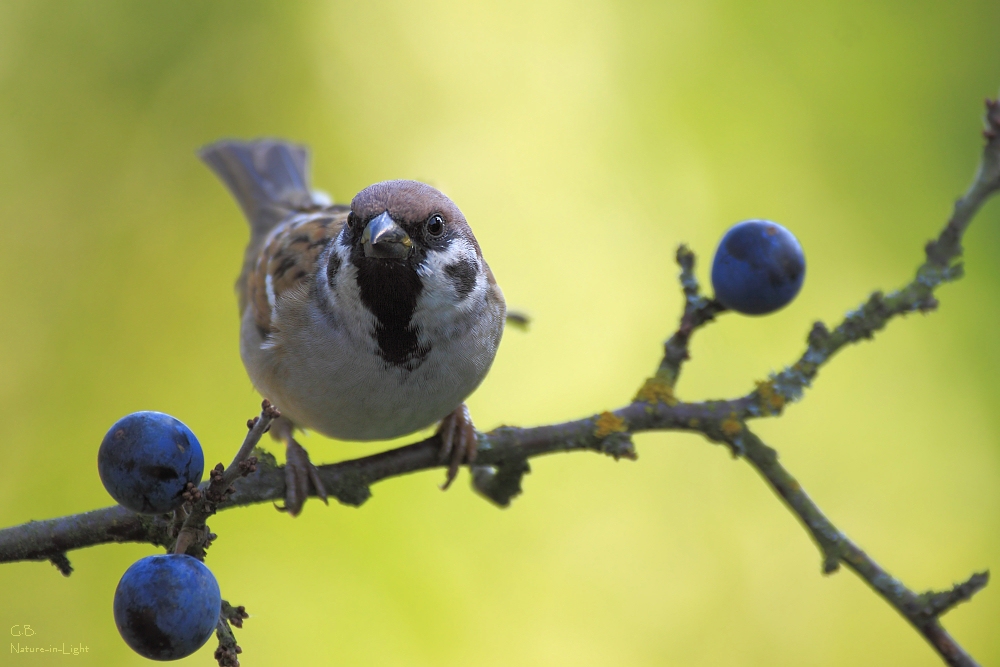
408	202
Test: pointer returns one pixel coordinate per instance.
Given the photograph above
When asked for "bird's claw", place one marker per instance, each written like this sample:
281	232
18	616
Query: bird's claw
300	475
458	442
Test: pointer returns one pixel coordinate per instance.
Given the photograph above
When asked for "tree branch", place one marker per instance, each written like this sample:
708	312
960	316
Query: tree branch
504	452
941	266
922	611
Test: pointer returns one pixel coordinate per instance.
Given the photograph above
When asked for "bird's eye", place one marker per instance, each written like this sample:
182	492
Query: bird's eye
434	225
352	220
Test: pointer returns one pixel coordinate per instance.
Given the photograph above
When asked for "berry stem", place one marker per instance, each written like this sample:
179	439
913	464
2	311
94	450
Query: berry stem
193	536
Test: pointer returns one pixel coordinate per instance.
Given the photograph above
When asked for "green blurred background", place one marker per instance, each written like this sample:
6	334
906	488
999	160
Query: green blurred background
584	141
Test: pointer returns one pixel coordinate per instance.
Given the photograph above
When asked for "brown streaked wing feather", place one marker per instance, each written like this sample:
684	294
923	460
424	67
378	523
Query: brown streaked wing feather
289	258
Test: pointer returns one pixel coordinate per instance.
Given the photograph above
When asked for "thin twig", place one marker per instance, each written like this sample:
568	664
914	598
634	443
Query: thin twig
698	311
228	651
193	536
922	611
941	266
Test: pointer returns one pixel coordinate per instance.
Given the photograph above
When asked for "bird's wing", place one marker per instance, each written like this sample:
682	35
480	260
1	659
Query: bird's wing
287	260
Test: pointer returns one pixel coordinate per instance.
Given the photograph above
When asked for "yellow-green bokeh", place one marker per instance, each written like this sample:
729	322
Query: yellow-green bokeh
583	140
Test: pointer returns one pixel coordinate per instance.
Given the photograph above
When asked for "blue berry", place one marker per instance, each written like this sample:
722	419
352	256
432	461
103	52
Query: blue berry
166	607
758	268
147	459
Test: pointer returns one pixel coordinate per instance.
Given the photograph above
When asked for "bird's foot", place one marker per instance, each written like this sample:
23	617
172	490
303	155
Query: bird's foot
458	442
300	476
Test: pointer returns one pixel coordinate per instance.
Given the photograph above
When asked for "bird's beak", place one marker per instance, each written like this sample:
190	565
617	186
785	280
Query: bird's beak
385	239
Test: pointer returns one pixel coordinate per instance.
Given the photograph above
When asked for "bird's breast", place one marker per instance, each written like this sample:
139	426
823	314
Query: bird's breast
332	367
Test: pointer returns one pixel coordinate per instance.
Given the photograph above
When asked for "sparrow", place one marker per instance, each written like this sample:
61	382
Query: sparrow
362	322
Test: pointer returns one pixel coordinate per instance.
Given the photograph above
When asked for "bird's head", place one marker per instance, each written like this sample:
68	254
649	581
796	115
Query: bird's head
404	221
414	265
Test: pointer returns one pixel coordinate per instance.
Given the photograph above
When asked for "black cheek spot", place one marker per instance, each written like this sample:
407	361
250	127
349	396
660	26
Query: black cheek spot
332	267
463	276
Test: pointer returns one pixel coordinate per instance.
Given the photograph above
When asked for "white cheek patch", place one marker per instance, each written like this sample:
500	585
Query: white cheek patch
453	294
454	275
338	255
343	297
346	281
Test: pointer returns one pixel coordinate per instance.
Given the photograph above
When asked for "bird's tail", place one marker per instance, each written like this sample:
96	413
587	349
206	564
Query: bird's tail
268	177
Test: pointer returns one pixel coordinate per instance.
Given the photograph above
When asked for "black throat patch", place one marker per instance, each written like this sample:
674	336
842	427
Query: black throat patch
389	289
